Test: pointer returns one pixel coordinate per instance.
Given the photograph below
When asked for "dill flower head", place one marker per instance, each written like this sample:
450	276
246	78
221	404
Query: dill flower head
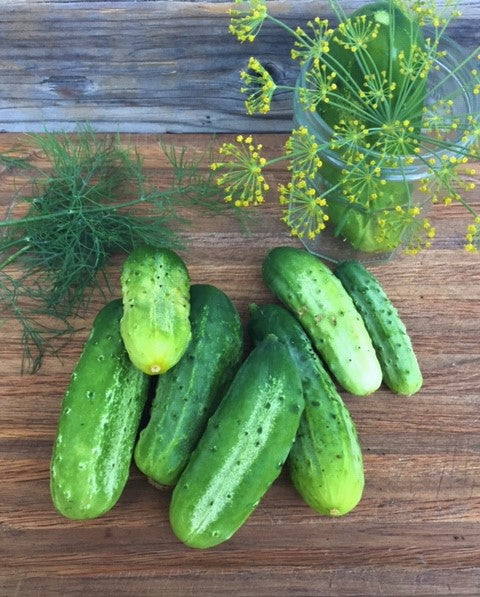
260	87
303	150
313	45
242	172
354	34
304	211
431	12
473	236
321	87
246	25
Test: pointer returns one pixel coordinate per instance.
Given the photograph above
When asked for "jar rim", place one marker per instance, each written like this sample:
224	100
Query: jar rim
317	126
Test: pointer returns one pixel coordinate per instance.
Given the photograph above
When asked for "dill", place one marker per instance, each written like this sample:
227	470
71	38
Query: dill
93	202
9	160
382	127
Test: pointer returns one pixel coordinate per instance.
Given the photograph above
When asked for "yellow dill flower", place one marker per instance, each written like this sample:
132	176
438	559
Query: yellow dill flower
432	12
397	138
377	90
305	209
246	26
406	223
447	179
322	85
416	63
438	119
356	33
349	137
363	182
303	151
473	236
314	45
259	85
242	174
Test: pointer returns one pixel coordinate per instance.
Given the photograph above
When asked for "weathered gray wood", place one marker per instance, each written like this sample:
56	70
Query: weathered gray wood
148	66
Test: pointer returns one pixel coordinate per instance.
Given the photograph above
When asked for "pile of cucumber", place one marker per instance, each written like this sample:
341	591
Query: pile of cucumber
221	429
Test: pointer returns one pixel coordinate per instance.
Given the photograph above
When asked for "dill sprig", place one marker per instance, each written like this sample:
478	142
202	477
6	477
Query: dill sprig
93	202
37	335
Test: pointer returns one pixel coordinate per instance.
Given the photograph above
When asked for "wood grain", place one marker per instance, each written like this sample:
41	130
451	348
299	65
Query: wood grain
417	528
148	66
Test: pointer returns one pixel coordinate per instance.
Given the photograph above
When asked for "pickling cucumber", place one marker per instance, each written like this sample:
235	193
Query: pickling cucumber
99	420
243	449
327	313
325	462
155	326
187	394
401	371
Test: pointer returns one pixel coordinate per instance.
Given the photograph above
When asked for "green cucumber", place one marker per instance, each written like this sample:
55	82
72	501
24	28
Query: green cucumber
98	423
325	462
327	313
401	372
155	326
187	394
242	451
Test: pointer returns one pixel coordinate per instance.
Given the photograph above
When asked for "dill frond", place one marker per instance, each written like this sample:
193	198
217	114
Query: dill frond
37	336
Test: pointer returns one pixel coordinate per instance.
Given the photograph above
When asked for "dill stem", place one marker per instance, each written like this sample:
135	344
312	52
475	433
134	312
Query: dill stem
14	256
13	243
446	145
335	5
453	72
468	207
69	212
286	27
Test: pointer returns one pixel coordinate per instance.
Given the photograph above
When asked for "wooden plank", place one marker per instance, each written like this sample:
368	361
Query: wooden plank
417	528
148	66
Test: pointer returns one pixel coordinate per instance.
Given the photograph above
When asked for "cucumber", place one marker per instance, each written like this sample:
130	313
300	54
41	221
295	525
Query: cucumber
325	462
155	326
242	451
401	371
98	423
187	394
327	313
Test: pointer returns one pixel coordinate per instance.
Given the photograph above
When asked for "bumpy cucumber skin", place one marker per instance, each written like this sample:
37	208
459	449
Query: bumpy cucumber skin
401	371
327	313
188	393
99	420
325	462
155	326
242	451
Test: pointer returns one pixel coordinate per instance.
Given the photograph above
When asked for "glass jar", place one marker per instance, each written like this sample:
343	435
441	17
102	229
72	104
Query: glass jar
357	230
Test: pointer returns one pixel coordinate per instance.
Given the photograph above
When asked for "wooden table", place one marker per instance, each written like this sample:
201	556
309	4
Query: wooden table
158	66
417	529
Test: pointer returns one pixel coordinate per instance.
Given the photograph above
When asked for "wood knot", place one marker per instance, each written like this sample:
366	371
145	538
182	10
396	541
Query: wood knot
68	86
